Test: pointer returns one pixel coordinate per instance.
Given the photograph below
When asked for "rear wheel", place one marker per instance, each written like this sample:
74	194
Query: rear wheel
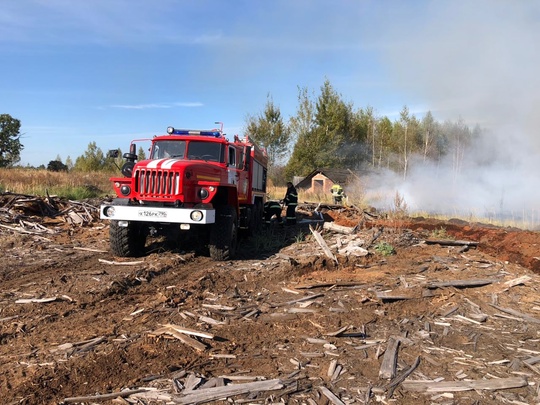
128	241
224	234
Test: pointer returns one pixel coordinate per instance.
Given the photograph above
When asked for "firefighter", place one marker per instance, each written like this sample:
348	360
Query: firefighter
272	208
291	201
337	194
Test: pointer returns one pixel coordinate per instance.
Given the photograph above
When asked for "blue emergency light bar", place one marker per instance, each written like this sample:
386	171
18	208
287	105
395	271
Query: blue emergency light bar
173	131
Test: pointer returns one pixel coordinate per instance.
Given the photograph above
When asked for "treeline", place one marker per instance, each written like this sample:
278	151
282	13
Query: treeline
328	132
325	132
93	159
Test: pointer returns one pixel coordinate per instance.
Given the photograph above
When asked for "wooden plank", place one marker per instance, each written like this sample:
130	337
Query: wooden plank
389	362
392	296
511	311
455	386
103	397
392	385
188	331
331	396
200	347
323	245
462	283
306	298
216	393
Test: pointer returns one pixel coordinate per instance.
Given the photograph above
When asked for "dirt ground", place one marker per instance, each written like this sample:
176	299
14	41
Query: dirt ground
433	321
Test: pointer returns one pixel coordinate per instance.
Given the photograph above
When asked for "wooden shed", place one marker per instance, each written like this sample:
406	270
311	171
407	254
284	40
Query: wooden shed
320	181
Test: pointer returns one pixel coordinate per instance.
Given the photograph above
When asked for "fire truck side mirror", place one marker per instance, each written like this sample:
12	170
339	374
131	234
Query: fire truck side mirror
113	153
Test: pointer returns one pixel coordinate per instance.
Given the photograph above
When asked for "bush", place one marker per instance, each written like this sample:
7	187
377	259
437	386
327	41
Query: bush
57	166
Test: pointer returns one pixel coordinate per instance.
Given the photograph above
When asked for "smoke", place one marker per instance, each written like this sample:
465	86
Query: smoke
474	61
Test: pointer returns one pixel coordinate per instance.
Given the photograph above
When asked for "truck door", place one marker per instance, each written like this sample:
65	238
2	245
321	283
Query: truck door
237	176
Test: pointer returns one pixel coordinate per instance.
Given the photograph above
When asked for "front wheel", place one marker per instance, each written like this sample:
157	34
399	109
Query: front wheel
224	234
127	241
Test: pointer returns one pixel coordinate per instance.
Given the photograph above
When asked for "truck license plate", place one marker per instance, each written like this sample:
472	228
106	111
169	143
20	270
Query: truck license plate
152	214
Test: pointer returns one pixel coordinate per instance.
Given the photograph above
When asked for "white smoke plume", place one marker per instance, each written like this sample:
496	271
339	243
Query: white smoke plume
475	61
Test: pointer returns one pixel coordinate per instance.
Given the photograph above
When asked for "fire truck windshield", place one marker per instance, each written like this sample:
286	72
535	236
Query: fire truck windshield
209	151
168	149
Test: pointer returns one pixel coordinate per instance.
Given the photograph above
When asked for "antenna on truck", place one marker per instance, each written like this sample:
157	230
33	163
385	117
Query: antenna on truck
221	126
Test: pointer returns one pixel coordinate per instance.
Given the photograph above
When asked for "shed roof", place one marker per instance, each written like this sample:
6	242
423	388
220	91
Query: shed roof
341	176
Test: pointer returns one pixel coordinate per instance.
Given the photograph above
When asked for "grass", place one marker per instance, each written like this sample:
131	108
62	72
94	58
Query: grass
385	249
42	182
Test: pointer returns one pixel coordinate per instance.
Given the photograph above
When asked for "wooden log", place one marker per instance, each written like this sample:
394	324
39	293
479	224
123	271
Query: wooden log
346	230
450	242
517	281
461	283
455	386
389	362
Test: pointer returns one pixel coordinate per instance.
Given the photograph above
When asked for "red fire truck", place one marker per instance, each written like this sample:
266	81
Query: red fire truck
196	181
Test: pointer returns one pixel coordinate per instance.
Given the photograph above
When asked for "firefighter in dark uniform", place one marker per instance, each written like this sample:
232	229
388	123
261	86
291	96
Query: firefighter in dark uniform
291	201
272	208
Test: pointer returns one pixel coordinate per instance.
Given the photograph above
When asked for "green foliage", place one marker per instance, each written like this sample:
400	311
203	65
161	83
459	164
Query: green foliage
385	249
93	160
77	192
328	133
10	144
300	237
57	166
269	131
141	154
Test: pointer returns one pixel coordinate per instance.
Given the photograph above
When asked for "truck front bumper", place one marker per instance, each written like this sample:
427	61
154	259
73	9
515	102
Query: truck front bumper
157	214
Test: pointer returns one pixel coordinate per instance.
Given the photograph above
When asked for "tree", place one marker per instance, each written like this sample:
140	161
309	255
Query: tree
268	130
141	154
57	166
92	160
10	143
327	132
301	126
69	163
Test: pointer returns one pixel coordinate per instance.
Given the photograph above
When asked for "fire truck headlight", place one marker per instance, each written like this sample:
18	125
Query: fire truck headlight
203	193
109	211
196	216
125	190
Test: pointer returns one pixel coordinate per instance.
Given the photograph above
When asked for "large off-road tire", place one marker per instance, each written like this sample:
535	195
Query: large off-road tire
128	241
224	234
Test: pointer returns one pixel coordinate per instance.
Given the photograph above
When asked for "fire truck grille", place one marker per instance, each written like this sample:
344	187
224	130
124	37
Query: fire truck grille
157	183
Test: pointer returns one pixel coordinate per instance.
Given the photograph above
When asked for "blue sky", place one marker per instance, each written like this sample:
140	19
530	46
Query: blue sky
78	71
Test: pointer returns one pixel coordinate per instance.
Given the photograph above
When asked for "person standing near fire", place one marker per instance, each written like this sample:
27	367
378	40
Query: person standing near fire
291	201
337	194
